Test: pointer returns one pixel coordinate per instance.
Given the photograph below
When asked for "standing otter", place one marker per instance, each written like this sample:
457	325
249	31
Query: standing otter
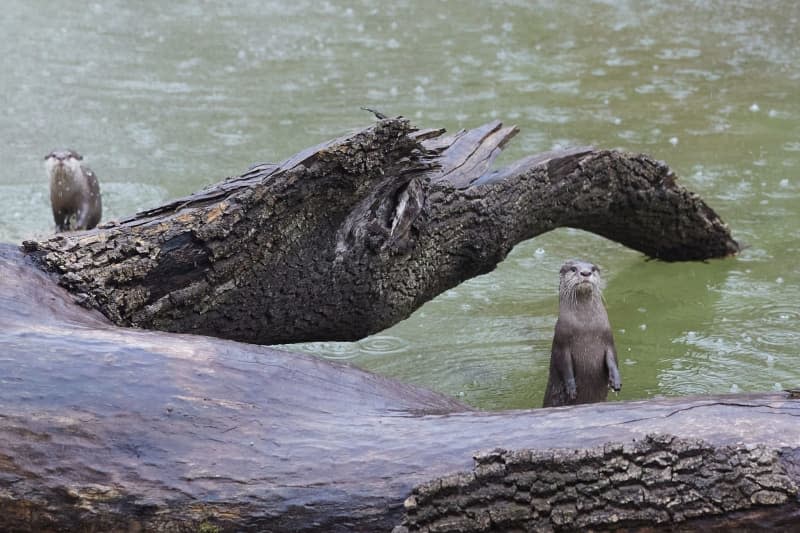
583	360
74	191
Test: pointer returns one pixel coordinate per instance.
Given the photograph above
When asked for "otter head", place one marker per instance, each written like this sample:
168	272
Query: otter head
63	162
580	282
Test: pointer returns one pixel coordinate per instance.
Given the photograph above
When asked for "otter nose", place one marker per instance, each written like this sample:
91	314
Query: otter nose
586	273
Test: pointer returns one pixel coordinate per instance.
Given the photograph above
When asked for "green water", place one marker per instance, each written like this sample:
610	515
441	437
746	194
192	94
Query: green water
163	99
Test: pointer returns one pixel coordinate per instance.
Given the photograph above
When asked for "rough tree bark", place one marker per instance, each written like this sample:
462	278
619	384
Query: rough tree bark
347	238
105	428
660	480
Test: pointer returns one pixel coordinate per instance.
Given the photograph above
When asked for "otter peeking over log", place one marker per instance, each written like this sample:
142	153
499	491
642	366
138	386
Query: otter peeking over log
583	360
74	191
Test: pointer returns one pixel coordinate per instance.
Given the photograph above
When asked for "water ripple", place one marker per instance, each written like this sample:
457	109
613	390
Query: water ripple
383	345
338	351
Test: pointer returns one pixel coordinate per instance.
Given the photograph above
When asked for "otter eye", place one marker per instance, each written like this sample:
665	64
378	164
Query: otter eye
595	269
574	269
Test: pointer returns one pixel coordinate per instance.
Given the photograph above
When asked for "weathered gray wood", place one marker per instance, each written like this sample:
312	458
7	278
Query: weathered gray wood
105	428
349	237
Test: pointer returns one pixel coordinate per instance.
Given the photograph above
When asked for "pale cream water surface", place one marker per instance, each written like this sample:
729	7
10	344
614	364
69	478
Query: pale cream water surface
164	98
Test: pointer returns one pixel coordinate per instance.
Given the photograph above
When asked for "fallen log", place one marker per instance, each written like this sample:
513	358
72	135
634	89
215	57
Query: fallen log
347	238
104	428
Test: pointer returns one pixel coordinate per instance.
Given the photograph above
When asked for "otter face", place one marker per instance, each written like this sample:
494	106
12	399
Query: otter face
63	161
579	280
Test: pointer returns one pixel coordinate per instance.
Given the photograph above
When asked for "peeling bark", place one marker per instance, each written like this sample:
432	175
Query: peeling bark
658	481
349	237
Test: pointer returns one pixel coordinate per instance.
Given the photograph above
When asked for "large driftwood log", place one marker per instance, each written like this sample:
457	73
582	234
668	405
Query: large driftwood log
105	428
347	238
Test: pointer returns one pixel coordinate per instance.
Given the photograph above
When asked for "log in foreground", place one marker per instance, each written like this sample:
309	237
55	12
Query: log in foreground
660	480
105	428
347	238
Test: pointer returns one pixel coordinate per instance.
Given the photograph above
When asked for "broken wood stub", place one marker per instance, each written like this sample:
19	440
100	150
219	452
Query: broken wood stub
661	480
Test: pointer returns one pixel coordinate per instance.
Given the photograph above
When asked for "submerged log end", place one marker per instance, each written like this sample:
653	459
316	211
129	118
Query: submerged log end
637	201
696	232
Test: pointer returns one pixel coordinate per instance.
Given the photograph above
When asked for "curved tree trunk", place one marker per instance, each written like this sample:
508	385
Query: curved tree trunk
105	428
347	238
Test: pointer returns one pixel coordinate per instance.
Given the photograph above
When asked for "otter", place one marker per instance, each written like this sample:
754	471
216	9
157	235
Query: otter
583	360
74	191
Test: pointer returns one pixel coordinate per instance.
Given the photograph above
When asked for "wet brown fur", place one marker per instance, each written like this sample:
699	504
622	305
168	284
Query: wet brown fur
74	191
583	359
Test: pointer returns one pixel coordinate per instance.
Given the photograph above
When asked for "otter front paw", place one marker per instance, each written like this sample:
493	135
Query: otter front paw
572	390
615	383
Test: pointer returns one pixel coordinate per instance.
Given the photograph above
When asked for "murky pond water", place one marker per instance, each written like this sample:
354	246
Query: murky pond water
163	99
